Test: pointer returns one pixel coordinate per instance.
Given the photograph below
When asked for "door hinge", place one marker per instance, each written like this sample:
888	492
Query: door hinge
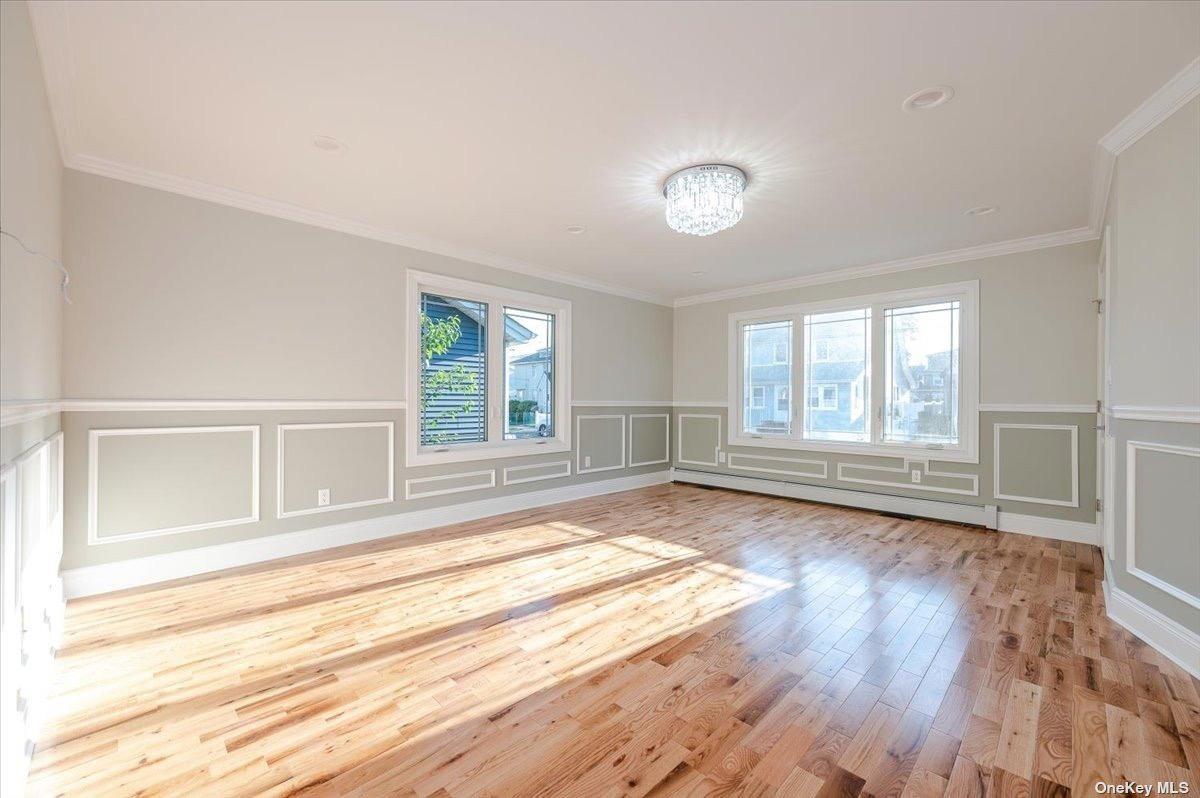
1099	305
1099	505
1099	405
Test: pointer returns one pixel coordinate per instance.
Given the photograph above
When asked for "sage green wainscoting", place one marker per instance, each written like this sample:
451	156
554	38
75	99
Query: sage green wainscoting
1162	567
1046	463
165	491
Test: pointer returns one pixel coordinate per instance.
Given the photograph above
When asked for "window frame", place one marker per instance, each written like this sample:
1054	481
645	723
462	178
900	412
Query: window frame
967	450
497	299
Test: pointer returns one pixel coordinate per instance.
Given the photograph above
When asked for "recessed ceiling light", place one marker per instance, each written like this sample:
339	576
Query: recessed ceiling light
699	274
328	144
982	210
575	229
928	98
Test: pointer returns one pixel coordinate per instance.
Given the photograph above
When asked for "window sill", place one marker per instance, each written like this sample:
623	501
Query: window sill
957	455
471	452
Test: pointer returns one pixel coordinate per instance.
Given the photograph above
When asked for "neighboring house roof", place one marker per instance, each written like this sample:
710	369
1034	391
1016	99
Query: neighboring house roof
513	330
540	356
835	371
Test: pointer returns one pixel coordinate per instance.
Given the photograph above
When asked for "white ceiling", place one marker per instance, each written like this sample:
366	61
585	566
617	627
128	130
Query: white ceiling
486	129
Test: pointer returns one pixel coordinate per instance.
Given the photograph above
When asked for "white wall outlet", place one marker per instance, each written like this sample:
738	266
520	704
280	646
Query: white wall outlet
720	456
587	461
916	475
323	497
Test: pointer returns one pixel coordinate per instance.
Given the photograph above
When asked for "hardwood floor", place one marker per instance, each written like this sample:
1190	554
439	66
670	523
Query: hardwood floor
668	641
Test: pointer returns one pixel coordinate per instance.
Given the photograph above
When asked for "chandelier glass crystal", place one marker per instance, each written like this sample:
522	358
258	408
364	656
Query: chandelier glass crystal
702	200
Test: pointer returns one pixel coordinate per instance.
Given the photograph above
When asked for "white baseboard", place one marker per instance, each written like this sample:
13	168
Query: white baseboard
1170	638
1053	528
925	508
95	579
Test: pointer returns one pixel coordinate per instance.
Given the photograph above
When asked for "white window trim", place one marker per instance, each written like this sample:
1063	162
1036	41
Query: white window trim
967	451
754	392
776	361
497	298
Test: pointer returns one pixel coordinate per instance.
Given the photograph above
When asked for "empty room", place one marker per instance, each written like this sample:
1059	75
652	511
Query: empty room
586	399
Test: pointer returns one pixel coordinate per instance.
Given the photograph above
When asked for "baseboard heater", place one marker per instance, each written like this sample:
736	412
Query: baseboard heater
984	516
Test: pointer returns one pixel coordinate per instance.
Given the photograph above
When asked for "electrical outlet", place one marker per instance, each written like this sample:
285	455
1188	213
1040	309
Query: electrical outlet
323	497
720	456
587	461
916	475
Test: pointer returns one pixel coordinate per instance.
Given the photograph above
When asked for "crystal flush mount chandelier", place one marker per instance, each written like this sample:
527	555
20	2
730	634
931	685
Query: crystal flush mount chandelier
702	200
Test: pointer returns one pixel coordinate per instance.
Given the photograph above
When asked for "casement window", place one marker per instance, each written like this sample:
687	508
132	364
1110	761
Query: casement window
894	374
488	371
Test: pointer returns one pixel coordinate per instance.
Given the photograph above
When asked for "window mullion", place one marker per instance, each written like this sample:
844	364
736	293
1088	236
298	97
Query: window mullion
494	426
799	356
878	387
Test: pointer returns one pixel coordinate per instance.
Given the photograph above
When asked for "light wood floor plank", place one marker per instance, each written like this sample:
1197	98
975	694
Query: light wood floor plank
673	640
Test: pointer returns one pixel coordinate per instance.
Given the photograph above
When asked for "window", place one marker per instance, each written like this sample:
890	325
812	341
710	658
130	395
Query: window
528	374
844	337
453	370
822	397
892	374
490	373
765	374
922	352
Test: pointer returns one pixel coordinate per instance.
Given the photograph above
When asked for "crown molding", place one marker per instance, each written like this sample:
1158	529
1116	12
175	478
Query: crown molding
51	31
284	210
1177	91
1009	247
51	26
51	36
1172	96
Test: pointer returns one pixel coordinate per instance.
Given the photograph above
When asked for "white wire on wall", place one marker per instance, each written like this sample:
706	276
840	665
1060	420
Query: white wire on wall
66	279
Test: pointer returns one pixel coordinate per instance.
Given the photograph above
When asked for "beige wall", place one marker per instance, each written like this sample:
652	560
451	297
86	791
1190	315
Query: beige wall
1036	325
30	208
1156	284
1154	311
178	298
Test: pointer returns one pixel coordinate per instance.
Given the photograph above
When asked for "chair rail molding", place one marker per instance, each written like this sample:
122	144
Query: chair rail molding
1179	414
